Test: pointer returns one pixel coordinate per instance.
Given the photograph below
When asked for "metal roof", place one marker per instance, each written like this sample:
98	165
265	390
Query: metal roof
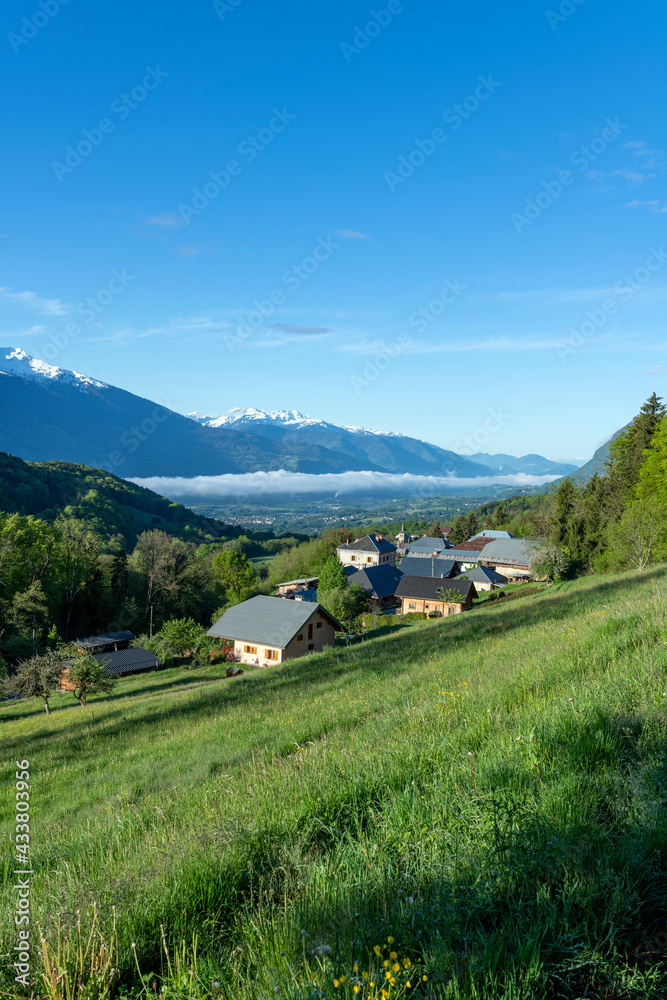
428	545
464	555
509	551
369	543
270	620
430	589
491	534
484	574
127	661
105	639
421	566
378	581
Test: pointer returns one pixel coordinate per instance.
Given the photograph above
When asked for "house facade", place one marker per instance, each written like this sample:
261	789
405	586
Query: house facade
435	595
371	550
269	630
485	578
509	556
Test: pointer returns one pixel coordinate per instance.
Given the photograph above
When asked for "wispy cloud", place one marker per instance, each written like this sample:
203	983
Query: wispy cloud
656	370
351	234
167	221
288	328
653	204
51	307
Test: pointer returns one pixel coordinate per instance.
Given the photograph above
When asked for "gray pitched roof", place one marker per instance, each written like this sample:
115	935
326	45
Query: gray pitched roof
378	581
509	551
270	620
491	534
104	639
429	545
483	574
422	566
430	589
465	555
369	543
127	661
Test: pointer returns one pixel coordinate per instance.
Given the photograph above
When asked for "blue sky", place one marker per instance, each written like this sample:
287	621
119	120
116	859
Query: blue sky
346	193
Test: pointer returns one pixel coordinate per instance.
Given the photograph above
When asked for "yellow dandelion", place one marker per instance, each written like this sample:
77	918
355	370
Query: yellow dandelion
390	940
392	954
409	984
425	978
387	975
355	967
377	949
386	963
396	967
356	989
343	979
336	983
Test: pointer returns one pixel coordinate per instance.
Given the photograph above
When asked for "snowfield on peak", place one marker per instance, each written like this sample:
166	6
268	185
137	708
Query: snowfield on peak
283	418
14	361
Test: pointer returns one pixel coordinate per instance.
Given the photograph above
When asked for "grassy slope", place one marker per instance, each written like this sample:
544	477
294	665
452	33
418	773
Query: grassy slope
335	795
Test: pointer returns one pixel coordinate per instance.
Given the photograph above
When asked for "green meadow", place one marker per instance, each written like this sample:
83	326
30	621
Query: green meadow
468	807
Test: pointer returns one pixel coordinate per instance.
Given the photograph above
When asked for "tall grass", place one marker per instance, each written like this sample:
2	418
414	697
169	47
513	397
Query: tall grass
487	790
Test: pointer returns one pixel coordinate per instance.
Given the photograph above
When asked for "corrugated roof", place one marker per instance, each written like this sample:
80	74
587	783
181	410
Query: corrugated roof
421	566
369	543
126	661
270	620
463	555
509	551
378	581
430	589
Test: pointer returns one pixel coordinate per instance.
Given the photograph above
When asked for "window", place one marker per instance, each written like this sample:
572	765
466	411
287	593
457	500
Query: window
319	625
271	654
250	649
310	631
353	558
411	606
299	638
311	646
369	558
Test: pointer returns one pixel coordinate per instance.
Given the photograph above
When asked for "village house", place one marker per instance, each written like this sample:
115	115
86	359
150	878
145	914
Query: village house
428	547
435	596
509	556
484	578
379	582
292	587
269	630
371	550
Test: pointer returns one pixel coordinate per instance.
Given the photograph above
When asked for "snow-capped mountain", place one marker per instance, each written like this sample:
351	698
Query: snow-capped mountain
14	361
240	415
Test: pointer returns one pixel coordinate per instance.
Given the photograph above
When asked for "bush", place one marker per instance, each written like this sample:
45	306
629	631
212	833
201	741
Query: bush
414	616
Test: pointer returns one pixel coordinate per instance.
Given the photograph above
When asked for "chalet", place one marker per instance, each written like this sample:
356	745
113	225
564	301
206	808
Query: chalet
509	556
441	566
379	582
435	595
104	643
371	550
484	578
269	630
